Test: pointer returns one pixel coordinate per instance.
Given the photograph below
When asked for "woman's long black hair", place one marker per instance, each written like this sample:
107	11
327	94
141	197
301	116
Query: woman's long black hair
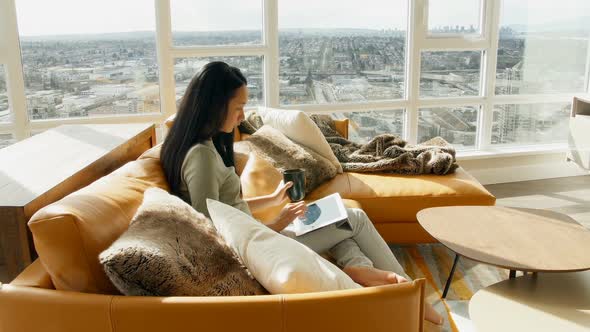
201	114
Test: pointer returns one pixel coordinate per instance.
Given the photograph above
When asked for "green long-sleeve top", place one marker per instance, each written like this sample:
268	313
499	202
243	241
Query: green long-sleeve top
204	175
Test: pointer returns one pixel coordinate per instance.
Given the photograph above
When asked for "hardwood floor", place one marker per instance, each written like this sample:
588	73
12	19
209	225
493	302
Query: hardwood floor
569	195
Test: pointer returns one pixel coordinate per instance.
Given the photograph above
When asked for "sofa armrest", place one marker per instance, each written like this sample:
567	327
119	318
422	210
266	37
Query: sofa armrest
34	275
383	308
397	307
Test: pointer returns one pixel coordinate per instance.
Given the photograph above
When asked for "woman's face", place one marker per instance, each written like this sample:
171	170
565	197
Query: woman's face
235	109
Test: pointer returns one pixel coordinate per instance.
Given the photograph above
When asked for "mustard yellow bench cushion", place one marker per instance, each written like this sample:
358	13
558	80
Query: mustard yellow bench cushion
391	201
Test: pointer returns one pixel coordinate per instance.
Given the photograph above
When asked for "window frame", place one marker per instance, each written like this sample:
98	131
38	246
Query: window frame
418	40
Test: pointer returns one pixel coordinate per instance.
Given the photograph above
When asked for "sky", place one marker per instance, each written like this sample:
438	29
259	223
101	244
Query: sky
84	16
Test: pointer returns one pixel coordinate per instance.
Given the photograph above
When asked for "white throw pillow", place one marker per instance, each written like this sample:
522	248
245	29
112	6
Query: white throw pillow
281	264
301	129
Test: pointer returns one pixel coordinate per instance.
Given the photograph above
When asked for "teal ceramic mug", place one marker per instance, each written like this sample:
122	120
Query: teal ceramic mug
297	176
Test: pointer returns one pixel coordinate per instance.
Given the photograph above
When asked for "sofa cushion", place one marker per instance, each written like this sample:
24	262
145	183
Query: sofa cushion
281	264
299	127
70	233
390	198
284	154
172	250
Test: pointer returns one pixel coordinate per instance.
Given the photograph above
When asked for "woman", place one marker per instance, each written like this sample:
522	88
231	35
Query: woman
198	160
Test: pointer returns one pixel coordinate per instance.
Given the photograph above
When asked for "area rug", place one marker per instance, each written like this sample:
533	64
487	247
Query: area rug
433	262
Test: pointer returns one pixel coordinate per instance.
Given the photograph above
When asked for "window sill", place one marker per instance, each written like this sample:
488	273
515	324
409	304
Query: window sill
512	151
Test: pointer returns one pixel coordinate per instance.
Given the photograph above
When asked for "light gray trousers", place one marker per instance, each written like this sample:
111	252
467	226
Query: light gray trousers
361	246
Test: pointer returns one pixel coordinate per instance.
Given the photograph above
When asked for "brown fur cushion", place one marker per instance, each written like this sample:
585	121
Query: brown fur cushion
172	250
282	153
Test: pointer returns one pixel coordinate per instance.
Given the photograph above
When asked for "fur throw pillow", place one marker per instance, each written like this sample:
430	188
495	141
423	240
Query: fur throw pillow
282	153
172	250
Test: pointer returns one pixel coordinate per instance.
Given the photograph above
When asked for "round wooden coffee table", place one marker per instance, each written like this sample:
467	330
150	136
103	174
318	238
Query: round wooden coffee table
527	240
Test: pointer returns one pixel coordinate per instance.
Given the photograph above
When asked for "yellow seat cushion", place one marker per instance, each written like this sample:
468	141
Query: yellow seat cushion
391	198
70	233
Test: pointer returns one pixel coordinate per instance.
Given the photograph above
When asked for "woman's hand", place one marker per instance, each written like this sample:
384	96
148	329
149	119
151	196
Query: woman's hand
287	215
280	194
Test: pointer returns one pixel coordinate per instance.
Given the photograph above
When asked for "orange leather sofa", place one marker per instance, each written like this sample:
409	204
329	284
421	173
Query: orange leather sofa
65	289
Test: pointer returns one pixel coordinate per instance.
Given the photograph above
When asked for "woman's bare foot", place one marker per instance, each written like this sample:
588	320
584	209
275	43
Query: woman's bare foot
370	276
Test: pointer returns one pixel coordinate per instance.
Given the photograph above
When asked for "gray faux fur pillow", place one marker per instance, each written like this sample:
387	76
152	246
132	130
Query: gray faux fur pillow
282	153
170	249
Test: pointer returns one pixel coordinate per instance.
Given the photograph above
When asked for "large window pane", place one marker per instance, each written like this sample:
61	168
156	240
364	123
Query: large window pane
4	107
6	140
363	126
336	53
454	16
457	125
450	74
530	123
543	46
77	65
251	67
219	22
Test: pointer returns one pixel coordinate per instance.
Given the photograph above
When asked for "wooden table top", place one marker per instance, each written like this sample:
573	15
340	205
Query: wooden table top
517	239
64	151
547	303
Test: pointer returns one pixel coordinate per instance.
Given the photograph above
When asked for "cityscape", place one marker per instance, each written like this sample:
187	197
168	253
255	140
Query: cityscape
99	75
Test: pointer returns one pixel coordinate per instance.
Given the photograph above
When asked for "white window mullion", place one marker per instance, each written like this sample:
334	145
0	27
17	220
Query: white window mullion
15	86
165	61
335	108
492	29
450	102
417	26
533	99
453	44
271	55
204	51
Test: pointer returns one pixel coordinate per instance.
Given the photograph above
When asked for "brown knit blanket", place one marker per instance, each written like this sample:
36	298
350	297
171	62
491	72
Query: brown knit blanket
389	153
384	153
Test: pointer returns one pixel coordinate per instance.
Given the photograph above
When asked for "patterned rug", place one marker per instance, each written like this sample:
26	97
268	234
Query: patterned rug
433	262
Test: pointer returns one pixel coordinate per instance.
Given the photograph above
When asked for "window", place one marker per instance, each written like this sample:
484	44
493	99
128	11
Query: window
331	54
450	74
457	125
482	74
219	22
365	125
75	65
454	17
543	47
4	107
530	123
251	67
